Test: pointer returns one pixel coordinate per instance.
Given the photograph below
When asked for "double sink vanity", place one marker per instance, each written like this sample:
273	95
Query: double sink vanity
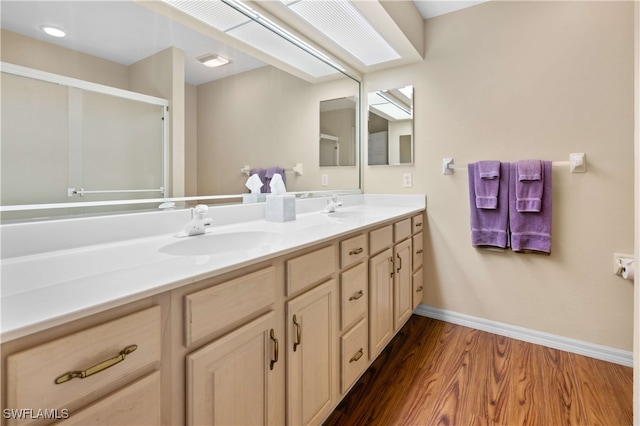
115	320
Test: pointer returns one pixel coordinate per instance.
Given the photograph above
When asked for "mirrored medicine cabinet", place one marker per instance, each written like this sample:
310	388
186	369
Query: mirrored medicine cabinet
390	127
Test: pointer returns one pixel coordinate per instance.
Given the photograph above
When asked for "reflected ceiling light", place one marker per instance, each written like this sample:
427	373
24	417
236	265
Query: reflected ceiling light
213	61
343	23
53	31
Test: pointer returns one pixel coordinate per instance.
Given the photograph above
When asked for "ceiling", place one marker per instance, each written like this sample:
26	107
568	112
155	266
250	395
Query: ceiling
143	32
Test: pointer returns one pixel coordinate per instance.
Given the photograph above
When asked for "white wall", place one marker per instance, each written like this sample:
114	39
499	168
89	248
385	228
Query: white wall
518	80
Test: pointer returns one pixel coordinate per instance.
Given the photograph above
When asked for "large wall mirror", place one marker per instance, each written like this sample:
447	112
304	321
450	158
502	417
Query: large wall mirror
390	139
260	110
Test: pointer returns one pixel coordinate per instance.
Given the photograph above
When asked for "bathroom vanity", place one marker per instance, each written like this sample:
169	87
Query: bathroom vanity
254	322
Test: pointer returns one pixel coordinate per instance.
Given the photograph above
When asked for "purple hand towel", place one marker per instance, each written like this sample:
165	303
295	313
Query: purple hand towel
489	227
531	231
487	184
529	186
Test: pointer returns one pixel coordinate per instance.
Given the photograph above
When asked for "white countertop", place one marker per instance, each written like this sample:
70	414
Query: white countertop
45	289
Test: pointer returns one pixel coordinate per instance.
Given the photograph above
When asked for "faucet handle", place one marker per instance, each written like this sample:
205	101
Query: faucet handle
201	211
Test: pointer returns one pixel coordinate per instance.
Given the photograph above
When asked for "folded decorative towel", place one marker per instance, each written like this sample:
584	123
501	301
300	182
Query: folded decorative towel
489	227
487	184
531	231
529	185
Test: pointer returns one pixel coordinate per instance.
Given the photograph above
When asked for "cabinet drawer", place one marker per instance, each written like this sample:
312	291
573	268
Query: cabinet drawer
136	404
213	309
32	374
353	250
417	223
418	288
308	269
380	239
353	295
402	229
417	251
354	354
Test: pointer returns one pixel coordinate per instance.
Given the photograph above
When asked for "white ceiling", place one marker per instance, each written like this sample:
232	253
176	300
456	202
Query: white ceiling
105	28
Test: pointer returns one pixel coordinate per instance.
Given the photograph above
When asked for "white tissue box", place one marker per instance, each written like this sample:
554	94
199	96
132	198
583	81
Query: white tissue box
280	208
253	198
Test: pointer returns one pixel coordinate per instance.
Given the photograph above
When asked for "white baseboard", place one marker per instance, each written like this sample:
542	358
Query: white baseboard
592	350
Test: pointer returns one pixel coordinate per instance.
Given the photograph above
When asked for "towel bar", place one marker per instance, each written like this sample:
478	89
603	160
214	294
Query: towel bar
577	164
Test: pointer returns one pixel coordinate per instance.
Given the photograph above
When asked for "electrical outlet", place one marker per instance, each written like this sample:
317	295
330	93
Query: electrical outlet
325	180
407	180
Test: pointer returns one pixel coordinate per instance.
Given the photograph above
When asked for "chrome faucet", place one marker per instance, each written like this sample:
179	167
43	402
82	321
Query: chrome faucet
332	204
199	221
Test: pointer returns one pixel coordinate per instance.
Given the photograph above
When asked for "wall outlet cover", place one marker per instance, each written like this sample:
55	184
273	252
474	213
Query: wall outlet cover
407	180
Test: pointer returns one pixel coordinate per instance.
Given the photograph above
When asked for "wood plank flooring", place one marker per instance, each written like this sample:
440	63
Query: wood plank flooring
437	373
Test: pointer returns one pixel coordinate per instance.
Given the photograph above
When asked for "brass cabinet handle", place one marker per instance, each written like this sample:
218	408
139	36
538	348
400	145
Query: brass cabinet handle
393	267
357	296
419	251
357	356
418	224
275	349
419	289
98	367
356	251
399	262
298	333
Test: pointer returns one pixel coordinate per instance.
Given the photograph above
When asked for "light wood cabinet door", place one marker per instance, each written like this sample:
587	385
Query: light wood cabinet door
230	381
381	273
418	288
403	284
310	349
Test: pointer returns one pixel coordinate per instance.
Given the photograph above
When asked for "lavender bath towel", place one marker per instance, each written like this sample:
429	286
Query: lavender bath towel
531	231
529	185
489	227
487	184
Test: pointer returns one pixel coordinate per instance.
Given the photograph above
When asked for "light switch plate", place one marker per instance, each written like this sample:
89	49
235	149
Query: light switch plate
325	180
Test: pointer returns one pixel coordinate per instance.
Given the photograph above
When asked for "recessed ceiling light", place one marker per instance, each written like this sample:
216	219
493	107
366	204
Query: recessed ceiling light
53	31
213	61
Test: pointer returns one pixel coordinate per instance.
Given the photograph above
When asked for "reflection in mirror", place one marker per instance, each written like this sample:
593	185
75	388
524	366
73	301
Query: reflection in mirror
338	132
390	139
259	110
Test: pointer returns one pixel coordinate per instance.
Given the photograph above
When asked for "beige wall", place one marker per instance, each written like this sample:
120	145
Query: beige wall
28	52
518	80
636	344
264	118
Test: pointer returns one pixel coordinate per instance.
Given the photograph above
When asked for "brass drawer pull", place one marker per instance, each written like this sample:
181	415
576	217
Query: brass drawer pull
356	251
275	349
399	262
357	296
419	224
419	289
419	251
357	356
392	266
298	333
98	367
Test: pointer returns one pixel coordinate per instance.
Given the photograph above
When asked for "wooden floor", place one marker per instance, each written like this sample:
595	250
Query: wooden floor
437	373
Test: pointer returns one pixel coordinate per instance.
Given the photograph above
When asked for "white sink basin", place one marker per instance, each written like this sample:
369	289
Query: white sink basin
351	214
249	242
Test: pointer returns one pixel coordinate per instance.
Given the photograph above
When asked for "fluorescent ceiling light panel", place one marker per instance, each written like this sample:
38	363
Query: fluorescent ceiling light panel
269	42
214	13
344	24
